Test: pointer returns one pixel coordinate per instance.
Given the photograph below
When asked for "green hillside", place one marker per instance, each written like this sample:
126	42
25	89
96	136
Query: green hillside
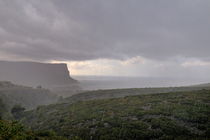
15	131
3	109
12	130
174	115
28	97
117	93
202	85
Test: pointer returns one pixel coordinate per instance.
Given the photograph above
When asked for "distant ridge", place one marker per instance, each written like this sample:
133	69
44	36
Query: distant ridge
202	85
35	74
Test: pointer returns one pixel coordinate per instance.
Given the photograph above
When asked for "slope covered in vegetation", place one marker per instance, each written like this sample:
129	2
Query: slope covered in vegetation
3	109
117	93
15	131
28	97
12	130
174	115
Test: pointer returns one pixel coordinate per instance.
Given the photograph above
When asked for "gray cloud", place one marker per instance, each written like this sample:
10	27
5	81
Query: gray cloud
47	30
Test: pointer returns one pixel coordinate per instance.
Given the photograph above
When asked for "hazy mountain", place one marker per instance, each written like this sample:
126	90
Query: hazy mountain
34	74
53	76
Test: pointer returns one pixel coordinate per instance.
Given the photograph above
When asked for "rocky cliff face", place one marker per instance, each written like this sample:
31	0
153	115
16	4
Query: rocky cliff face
35	74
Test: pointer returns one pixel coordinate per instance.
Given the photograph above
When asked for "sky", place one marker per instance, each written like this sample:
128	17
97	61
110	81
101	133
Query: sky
169	38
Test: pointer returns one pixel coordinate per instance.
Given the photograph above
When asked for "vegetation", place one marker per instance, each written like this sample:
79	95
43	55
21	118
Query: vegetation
174	115
12	130
101	115
17	111
3	108
15	131
26	96
117	93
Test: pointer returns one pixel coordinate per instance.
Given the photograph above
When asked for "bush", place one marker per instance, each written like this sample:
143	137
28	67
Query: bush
17	111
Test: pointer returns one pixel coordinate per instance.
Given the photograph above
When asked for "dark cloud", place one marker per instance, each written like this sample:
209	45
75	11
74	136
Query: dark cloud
47	30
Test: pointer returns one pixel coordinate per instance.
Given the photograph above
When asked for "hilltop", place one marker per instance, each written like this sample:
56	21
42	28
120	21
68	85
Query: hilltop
35	74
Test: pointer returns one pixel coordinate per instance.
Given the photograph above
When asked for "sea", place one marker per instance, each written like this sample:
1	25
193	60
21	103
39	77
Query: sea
117	82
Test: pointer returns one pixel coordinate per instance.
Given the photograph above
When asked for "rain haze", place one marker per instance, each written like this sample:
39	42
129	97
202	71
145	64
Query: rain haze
104	69
163	39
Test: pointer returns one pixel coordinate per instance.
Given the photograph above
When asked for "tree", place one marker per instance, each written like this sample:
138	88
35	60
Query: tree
39	87
17	111
2	108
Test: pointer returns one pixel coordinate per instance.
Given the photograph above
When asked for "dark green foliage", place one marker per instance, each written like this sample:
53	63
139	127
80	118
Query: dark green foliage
181	115
15	131
2	108
117	93
11	130
17	111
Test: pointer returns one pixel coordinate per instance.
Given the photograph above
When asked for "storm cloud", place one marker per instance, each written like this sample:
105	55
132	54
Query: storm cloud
45	30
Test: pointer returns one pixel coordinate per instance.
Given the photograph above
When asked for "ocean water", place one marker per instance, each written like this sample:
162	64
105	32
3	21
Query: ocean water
113	82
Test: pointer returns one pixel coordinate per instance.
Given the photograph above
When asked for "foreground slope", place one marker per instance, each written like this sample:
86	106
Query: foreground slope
15	131
180	115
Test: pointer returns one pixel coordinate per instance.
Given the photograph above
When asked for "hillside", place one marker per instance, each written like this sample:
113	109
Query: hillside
202	85
28	97
117	93
3	108
15	131
10	95
174	115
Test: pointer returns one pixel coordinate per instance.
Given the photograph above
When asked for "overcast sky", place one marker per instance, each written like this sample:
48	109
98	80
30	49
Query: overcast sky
110	37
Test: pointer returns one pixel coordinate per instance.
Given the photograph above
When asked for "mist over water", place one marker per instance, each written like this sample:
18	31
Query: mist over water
113	82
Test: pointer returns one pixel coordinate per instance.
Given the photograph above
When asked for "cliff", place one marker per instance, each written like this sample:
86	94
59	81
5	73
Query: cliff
35	74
